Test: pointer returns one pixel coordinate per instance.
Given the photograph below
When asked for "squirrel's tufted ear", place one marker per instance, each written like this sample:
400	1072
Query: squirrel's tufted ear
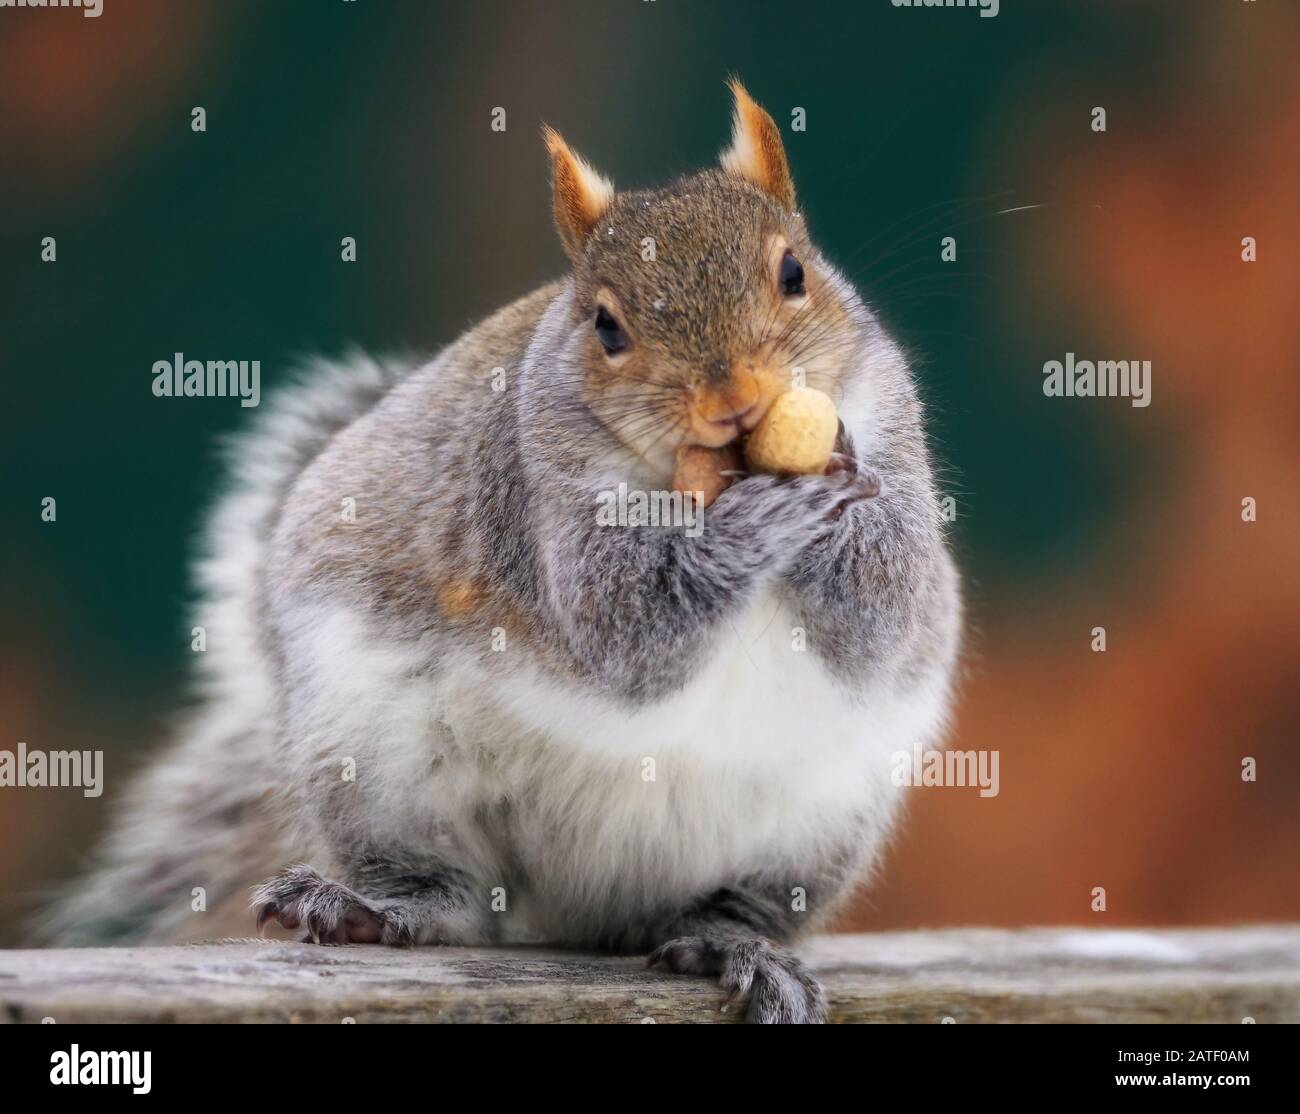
756	152
581	196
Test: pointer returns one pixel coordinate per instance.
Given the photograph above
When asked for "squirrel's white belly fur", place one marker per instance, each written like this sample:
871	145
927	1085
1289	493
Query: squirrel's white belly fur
581	808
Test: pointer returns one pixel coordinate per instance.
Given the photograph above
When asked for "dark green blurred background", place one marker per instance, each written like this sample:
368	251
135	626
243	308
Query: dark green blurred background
371	119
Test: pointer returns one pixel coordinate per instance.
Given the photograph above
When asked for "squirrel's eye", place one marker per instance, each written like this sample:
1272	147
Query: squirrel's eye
791	276
609	332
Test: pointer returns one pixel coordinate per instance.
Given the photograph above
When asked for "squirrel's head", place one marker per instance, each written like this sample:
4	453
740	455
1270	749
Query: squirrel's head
699	303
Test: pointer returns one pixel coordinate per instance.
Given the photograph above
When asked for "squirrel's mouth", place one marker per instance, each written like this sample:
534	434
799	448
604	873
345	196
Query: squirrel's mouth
716	430
738	419
713	434
725	409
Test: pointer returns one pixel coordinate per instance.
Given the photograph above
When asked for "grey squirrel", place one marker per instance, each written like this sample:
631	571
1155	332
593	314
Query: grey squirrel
442	704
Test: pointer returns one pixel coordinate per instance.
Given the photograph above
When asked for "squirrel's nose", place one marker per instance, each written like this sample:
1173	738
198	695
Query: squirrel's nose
727	402
721	412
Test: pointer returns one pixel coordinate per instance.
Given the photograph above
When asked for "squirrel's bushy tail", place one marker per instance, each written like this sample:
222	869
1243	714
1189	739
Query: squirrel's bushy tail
196	825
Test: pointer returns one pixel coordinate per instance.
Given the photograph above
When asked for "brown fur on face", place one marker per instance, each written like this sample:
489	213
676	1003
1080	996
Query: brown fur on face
690	272
713	340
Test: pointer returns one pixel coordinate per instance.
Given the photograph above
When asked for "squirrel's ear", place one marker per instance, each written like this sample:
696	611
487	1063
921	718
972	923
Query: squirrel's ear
581	196
756	152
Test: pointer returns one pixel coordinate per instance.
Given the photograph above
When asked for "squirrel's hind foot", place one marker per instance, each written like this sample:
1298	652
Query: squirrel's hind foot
780	990
331	913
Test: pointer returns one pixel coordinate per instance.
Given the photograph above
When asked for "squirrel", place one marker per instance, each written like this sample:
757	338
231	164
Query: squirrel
442	704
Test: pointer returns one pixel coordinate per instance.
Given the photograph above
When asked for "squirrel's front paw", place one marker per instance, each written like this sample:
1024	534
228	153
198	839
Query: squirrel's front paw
331	913
779	989
862	478
799	508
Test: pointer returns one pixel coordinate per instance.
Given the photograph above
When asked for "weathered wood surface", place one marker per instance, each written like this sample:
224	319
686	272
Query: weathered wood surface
968	975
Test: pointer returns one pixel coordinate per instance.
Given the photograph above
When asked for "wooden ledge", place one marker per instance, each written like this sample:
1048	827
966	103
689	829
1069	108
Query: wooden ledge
968	975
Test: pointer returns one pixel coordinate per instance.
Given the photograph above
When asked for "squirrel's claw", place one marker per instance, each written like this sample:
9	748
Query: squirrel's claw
331	913
264	914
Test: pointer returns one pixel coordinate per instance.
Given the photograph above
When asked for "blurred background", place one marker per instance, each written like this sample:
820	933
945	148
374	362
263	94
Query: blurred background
328	119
